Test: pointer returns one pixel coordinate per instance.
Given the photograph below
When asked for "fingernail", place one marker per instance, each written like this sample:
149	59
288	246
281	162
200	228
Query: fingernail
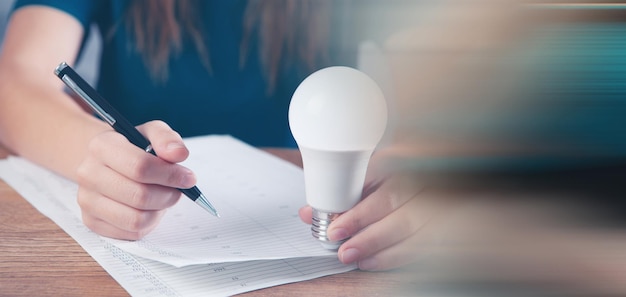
338	234
368	264
350	255
174	146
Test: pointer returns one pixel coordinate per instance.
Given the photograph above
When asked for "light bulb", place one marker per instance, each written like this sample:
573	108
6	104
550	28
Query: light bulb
337	116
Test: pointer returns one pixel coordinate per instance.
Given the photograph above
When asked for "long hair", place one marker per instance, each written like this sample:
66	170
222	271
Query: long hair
289	31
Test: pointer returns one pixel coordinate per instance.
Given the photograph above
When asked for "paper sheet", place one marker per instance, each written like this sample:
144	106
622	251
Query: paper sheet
258	242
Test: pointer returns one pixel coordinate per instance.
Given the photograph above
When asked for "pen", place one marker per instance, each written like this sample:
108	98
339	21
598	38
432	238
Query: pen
107	113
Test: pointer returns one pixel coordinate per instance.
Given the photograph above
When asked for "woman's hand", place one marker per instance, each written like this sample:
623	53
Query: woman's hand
385	228
124	191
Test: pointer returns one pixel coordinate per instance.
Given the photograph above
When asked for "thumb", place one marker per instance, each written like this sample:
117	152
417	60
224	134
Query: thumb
306	214
167	143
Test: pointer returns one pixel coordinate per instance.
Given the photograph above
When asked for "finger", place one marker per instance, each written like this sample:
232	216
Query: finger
404	222
114	151
391	195
306	214
99	211
167	143
403	253
123	190
105	229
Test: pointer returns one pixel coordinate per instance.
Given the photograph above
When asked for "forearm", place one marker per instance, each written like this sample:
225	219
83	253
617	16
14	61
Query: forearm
44	125
37	119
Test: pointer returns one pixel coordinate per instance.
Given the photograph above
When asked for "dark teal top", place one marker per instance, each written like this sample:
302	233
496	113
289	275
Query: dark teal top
230	100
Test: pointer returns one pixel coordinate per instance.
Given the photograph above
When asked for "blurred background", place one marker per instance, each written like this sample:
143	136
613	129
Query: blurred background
511	115
510	84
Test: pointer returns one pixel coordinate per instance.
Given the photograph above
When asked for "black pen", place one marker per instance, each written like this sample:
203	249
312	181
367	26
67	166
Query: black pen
107	113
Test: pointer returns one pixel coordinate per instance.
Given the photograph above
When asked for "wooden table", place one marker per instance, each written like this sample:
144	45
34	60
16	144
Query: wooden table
37	258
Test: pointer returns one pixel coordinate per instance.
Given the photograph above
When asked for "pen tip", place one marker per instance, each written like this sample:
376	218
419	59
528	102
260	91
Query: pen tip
204	203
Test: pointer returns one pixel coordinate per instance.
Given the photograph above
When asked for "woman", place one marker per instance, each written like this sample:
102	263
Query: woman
202	67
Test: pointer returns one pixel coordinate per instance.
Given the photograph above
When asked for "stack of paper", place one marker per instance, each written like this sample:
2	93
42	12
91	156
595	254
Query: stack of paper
258	242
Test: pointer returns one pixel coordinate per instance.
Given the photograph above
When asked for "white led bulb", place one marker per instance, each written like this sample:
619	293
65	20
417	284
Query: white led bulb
337	116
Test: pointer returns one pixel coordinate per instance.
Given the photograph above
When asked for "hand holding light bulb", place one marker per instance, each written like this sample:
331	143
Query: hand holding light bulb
337	116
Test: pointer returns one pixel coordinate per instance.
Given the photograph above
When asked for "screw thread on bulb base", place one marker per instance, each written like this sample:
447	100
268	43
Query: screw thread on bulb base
319	227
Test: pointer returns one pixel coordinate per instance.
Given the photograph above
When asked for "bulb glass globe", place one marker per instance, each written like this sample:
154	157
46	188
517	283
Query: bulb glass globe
337	116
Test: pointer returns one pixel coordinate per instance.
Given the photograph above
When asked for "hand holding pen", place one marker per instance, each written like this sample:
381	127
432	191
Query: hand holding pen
123	191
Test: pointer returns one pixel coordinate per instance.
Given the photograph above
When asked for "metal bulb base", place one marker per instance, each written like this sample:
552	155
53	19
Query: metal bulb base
319	227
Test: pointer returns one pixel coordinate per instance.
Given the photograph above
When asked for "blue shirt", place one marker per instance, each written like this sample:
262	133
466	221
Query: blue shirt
230	100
